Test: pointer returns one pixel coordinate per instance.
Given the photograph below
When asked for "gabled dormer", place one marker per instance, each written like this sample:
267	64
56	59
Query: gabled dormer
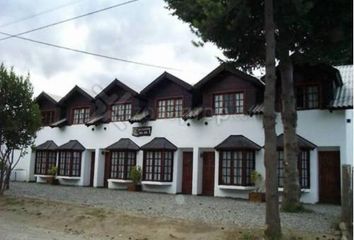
167	97
48	105
227	90
117	102
314	86
77	107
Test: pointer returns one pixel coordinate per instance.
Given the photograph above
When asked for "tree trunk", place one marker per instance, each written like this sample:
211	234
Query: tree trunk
291	194
273	228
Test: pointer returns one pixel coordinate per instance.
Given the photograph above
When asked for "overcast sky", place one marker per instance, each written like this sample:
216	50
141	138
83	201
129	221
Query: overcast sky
143	31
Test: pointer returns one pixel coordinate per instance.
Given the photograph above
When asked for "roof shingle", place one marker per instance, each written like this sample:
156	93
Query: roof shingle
237	142
302	142
124	144
48	145
159	143
72	145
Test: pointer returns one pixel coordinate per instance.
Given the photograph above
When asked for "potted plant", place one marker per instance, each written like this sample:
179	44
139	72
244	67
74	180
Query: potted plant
135	175
258	195
52	172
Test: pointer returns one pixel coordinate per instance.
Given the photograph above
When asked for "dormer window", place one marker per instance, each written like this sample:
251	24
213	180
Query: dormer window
307	97
169	108
121	112
47	118
81	115
229	103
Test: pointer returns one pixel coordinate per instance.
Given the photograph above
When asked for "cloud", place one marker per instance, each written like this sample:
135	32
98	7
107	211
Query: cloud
142	31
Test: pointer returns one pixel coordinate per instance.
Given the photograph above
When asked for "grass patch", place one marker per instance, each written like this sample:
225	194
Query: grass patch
295	209
96	212
13	201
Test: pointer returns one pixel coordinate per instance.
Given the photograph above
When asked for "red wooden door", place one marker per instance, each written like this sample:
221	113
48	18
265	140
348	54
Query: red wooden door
92	170
208	173
107	169
187	176
329	177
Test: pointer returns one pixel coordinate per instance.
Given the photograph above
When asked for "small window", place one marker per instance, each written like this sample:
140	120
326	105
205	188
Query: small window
81	115
158	166
169	108
47	118
230	103
70	163
122	163
303	168
44	161
121	112
236	167
307	97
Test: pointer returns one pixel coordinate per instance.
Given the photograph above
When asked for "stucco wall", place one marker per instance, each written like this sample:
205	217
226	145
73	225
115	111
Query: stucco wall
323	128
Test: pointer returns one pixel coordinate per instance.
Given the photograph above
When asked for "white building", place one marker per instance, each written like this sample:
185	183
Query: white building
202	139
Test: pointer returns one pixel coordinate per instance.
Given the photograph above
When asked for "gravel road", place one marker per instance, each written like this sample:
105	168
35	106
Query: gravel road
207	209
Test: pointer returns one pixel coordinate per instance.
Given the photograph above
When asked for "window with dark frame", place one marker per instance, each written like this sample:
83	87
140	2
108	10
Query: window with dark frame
307	97
229	103
158	166
121	112
44	161
169	108
236	167
81	115
303	168
121	164
47	117
70	163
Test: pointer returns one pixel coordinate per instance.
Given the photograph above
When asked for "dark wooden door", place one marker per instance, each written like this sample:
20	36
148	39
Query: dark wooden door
208	173
329	177
107	169
187	176
92	170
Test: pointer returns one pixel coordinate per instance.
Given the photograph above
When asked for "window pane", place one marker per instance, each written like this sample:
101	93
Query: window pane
81	115
158	166
280	168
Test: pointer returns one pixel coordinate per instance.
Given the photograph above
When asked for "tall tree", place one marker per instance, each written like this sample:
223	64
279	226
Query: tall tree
317	31
19	121
273	228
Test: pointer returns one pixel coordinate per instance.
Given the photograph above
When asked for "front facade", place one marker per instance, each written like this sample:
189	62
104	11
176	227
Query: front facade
204	139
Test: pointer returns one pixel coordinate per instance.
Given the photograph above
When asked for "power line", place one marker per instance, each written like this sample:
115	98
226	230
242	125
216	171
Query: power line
39	13
70	19
91	53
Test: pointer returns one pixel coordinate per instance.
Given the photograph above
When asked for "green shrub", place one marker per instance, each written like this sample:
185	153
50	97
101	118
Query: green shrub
135	174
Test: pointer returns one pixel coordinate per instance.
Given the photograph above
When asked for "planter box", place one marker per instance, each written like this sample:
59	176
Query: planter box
50	180
256	197
134	187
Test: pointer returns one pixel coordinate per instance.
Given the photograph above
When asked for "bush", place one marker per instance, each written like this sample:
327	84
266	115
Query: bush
135	174
53	171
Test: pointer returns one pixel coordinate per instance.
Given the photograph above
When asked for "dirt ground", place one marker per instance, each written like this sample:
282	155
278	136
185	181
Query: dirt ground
34	219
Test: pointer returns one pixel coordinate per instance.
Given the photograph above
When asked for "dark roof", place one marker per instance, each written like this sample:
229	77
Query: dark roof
343	97
124	144
72	145
256	109
46	96
237	142
60	123
117	83
302	142
162	77
76	89
159	143
228	68
95	121
140	117
48	145
196	112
